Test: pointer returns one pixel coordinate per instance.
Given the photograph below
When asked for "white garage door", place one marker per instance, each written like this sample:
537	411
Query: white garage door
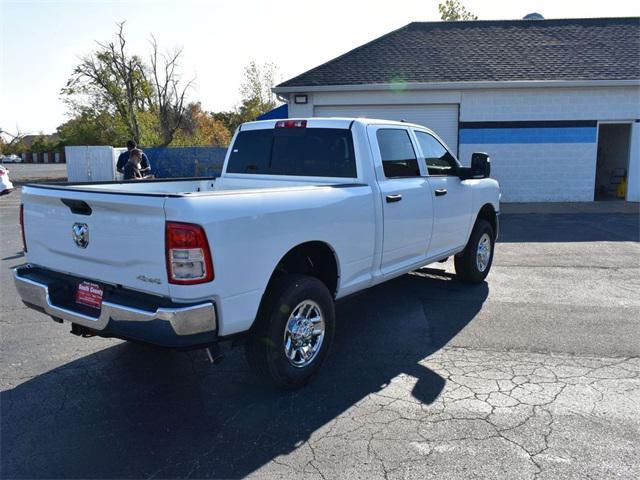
442	119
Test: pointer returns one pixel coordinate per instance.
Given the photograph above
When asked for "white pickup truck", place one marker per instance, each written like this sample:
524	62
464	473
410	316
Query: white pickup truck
306	211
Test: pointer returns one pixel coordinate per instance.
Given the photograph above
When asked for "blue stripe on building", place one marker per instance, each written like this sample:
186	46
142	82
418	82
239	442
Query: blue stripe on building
579	131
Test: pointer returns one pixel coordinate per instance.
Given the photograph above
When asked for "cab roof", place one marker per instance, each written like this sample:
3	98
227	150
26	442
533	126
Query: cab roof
326	122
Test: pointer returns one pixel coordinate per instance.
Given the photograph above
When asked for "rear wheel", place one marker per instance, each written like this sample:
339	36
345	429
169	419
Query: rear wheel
474	263
293	332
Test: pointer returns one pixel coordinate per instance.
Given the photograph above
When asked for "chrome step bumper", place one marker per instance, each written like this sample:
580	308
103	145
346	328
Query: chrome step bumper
183	321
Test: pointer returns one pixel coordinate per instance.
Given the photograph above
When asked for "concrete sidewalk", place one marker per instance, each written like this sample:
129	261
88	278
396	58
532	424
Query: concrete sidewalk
609	206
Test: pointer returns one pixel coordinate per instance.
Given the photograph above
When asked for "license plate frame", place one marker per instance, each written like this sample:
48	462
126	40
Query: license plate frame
89	294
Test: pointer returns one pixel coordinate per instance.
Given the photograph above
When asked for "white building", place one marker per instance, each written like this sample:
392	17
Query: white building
556	103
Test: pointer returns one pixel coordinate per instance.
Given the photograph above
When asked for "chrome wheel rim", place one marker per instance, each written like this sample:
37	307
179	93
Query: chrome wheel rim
304	334
483	253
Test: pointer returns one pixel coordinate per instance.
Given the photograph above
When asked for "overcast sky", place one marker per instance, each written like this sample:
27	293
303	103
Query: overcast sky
40	41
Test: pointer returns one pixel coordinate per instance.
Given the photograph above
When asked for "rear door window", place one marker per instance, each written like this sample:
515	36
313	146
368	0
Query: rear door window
397	153
309	152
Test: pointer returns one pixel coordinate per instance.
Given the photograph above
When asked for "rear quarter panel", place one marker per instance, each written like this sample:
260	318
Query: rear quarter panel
249	232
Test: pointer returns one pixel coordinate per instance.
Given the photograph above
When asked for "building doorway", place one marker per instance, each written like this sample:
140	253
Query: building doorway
612	162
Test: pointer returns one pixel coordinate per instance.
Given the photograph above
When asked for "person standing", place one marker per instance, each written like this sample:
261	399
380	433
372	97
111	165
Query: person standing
123	158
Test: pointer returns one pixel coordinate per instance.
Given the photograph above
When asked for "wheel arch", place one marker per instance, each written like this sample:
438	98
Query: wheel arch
488	212
313	258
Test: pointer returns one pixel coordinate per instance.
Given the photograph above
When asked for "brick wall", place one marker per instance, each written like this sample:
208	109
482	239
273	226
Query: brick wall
534	171
612	103
538	171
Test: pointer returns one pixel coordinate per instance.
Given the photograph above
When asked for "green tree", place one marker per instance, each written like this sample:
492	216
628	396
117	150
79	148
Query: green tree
453	10
110	80
256	88
43	143
230	119
12	143
93	128
256	95
147	98
201	128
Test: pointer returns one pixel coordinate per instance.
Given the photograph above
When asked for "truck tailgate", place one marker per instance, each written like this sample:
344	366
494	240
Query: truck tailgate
125	242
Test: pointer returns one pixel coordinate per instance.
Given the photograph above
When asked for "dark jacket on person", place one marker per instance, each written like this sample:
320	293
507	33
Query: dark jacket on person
123	158
131	172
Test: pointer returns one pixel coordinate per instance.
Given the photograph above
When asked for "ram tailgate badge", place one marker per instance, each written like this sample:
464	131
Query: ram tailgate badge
80	233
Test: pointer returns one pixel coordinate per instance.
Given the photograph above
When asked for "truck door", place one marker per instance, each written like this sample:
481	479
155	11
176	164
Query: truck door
451	196
406	197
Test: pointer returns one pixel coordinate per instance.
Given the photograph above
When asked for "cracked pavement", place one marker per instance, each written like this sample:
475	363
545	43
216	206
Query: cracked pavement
534	374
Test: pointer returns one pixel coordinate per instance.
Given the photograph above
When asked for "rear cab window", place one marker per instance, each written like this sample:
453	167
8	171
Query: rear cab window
303	152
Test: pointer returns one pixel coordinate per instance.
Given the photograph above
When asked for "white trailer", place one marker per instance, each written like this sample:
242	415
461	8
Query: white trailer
92	163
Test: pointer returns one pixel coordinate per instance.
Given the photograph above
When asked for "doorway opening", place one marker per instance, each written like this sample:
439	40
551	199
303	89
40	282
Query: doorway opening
612	162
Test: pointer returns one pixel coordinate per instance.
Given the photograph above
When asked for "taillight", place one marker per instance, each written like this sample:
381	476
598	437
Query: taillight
24	240
1	173
188	254
291	124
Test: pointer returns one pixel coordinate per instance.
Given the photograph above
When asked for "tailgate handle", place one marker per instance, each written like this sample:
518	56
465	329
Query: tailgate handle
77	206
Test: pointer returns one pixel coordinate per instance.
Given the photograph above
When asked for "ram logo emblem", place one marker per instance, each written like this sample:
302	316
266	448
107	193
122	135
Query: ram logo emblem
80	233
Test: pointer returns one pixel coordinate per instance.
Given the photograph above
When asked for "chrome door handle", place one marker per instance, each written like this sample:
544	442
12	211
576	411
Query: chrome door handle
394	198
440	192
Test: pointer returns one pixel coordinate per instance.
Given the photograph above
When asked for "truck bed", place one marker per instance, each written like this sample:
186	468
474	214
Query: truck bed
185	186
161	187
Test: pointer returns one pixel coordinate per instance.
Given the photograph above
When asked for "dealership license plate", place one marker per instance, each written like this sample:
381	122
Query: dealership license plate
89	294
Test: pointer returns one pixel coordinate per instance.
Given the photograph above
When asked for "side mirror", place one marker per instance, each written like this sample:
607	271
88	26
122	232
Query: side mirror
480	165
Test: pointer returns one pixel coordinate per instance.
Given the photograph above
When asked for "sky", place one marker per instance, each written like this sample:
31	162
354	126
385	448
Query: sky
42	40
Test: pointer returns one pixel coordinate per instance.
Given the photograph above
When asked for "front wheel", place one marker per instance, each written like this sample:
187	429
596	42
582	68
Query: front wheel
474	263
293	331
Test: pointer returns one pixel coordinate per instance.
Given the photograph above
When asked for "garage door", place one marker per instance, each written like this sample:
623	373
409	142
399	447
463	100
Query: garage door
442	119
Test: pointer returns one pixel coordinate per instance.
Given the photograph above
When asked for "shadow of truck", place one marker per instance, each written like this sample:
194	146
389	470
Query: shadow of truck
130	411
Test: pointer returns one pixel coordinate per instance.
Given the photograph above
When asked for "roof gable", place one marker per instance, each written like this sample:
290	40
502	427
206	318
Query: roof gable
512	50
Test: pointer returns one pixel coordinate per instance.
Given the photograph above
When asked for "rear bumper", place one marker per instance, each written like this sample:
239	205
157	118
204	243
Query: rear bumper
124	314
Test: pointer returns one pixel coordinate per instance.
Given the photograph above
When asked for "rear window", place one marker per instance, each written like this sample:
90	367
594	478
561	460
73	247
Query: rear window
397	154
310	152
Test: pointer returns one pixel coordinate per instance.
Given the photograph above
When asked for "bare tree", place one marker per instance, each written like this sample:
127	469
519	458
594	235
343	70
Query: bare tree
169	91
129	75
11	141
111	80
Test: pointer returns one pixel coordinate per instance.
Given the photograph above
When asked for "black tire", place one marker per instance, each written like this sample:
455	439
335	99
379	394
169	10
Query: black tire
467	268
265	349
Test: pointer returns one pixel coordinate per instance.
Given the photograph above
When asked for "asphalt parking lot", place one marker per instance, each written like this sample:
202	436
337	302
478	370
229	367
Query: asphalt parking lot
22	172
533	374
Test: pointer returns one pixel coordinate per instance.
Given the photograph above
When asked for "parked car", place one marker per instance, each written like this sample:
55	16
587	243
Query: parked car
11	159
305	212
5	184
